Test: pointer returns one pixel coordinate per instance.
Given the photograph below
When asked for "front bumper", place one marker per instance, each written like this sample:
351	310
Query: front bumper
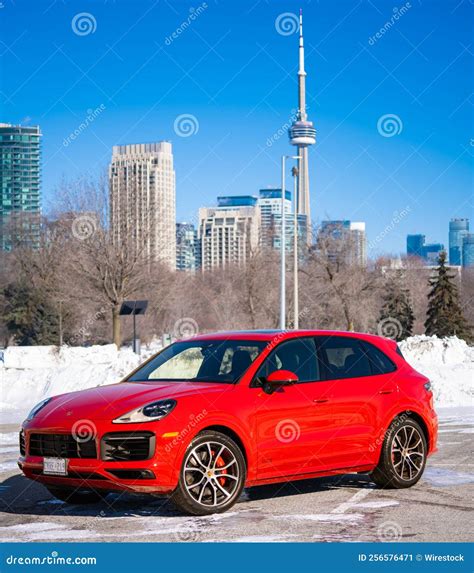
159	473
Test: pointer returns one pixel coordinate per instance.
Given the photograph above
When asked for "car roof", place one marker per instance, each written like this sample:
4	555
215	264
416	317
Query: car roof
268	335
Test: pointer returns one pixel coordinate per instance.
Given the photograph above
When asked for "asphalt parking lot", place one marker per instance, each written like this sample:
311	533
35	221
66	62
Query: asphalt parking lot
341	508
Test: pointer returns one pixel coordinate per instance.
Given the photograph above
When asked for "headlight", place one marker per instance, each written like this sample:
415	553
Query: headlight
37	408
148	413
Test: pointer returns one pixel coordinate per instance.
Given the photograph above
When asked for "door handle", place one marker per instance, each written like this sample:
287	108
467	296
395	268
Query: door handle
320	400
387	391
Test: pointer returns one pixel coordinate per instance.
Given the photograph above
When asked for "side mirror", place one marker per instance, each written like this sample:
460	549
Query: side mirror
278	379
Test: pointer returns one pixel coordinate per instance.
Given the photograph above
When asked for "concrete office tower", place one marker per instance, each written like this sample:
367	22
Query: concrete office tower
302	134
143	199
20	186
458	229
229	232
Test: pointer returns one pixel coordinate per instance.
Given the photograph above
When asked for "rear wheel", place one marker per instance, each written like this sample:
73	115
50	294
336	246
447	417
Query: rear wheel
212	476
403	456
77	496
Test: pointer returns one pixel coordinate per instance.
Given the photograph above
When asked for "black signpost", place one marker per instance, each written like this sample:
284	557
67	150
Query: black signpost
134	308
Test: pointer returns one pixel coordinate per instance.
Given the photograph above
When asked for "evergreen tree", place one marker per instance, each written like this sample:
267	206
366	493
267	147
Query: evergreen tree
444	316
396	315
29	315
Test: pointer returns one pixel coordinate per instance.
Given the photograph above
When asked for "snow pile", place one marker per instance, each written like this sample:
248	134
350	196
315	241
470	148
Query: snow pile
31	373
448	363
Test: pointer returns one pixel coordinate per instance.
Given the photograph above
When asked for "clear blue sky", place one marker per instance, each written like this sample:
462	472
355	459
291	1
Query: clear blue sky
233	71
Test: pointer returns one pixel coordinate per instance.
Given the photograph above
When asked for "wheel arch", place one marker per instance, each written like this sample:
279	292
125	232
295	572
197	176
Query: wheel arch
410	415
230	433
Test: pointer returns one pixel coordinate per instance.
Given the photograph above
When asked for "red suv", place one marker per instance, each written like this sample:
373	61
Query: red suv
207	416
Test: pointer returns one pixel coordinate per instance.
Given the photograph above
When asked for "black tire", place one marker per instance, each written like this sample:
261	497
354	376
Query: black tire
403	456
212	476
77	496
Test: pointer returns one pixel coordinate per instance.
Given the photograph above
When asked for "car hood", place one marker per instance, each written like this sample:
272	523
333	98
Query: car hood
109	402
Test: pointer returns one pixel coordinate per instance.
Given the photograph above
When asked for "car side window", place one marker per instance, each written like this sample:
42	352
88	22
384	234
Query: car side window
380	363
343	357
298	356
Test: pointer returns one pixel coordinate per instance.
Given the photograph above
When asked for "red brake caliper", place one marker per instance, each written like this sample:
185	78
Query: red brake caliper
219	464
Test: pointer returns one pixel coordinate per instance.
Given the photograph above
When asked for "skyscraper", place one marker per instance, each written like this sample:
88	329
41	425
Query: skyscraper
143	199
302	134
188	251
20	185
415	244
269	201
458	229
229	232
468	250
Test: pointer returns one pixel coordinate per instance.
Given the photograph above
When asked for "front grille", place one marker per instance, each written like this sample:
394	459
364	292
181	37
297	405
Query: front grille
22	443
61	446
127	446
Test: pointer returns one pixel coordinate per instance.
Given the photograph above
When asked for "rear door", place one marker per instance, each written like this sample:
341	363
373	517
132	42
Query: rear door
357	393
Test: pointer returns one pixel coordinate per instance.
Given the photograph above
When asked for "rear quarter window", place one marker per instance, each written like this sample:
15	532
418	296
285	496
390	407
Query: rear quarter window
379	361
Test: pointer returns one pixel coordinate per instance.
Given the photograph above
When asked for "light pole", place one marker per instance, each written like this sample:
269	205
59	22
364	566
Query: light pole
283	243
295	172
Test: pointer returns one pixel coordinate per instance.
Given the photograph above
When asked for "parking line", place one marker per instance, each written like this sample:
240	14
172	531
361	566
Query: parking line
343	507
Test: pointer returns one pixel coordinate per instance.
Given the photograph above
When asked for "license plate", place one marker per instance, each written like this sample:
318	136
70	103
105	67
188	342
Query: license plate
55	466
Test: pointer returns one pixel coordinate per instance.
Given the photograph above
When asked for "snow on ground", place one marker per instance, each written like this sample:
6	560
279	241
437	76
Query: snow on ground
448	363
30	373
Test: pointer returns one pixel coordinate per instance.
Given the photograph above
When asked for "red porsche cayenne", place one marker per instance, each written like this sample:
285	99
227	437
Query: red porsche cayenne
208	416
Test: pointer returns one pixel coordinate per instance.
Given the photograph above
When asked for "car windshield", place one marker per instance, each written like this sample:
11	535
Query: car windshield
201	361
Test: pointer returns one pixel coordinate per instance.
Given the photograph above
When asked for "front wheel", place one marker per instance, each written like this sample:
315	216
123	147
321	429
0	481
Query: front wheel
403	457
77	496
212	475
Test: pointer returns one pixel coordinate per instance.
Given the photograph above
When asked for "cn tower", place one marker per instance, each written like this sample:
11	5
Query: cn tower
302	134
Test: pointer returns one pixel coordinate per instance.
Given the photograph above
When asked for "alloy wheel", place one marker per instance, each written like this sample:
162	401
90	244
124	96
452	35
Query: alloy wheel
211	474
408	453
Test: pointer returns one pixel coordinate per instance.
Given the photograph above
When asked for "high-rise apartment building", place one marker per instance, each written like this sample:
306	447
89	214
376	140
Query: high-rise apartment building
458	229
143	199
229	232
188	248
344	241
269	201
20	185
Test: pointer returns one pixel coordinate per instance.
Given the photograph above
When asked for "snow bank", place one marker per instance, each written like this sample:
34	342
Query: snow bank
31	373
448	362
